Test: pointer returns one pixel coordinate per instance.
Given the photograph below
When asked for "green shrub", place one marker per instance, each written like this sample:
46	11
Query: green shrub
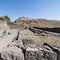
7	18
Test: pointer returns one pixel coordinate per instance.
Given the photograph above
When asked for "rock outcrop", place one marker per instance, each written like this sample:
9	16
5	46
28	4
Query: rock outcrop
25	49
32	52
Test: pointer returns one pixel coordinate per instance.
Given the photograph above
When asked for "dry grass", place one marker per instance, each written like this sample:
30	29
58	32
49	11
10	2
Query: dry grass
48	39
32	37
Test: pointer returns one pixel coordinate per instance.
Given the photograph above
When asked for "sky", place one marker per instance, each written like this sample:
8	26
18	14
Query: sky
46	9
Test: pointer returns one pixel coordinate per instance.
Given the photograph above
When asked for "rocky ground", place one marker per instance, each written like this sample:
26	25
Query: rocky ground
29	44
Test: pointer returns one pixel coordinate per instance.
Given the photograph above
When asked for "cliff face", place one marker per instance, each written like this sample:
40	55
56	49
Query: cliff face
37	22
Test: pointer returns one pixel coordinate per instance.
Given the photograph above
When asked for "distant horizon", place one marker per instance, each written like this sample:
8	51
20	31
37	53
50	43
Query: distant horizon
34	18
44	9
30	18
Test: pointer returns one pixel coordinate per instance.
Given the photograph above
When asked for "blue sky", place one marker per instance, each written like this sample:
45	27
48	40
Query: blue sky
48	9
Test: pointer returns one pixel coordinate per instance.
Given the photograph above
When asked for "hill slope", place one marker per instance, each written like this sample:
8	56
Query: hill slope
37	22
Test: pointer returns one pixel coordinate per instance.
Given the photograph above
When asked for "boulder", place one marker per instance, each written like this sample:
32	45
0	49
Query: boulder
12	53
